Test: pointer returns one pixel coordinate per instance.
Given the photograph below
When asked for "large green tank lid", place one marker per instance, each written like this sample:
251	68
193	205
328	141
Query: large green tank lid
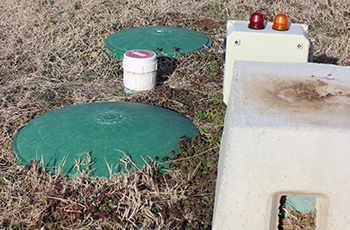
164	40
106	131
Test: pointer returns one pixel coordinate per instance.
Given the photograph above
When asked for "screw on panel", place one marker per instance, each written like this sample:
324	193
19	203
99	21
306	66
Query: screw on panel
237	42
299	46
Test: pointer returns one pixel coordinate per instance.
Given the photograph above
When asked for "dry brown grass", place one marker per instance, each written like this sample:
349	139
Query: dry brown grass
297	220
52	55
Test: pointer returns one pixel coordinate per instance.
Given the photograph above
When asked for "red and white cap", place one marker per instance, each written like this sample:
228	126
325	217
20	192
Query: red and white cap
140	61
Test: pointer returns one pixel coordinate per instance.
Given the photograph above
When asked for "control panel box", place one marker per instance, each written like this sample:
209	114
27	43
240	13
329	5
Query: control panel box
265	45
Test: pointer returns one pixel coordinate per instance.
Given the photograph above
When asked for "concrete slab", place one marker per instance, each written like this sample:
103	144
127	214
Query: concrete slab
287	132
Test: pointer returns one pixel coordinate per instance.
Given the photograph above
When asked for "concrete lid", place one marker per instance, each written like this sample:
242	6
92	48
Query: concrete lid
281	94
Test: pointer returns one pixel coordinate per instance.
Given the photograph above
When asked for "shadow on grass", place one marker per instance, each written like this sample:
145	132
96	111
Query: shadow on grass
325	59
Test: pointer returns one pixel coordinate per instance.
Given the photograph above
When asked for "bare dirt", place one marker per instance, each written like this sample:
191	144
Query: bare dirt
304	91
302	101
308	92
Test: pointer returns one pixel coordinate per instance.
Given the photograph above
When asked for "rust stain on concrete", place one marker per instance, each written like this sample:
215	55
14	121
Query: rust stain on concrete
319	101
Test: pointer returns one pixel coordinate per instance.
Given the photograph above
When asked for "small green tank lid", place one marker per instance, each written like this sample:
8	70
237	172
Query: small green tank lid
163	40
106	131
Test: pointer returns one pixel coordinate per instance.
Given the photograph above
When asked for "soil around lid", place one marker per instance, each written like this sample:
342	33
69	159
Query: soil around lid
206	24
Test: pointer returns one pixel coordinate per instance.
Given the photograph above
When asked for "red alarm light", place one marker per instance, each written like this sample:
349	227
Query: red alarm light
280	22
256	21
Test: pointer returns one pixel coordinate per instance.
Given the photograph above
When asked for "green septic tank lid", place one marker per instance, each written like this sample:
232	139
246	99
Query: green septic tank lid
165	38
106	131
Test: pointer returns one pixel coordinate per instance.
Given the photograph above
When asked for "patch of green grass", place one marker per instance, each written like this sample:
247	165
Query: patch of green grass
116	8
211	111
2	182
136	6
9	145
220	10
89	75
119	93
19	226
28	203
197	160
56	214
18	123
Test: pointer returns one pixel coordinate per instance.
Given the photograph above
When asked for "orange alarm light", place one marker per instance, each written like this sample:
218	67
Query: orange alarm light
280	22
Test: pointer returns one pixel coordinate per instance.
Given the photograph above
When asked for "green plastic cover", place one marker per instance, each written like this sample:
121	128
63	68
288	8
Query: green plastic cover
163	40
107	131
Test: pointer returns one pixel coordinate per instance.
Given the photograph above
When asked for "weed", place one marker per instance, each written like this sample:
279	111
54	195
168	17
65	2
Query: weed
19	226
56	214
18	123
3	182
28	203
89	75
119	93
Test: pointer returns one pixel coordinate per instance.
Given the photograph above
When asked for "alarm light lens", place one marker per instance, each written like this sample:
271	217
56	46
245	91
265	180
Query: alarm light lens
256	21
280	22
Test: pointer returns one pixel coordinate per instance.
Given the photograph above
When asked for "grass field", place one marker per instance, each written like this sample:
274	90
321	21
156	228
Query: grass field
52	56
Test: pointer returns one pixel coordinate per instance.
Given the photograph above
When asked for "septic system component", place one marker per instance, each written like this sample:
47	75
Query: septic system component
163	40
280	22
140	70
98	134
256	40
256	21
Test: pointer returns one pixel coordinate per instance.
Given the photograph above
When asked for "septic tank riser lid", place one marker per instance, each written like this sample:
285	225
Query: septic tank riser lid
163	40
105	131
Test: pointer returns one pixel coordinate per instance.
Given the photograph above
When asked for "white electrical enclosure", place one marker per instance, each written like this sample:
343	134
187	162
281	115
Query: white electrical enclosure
267	45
